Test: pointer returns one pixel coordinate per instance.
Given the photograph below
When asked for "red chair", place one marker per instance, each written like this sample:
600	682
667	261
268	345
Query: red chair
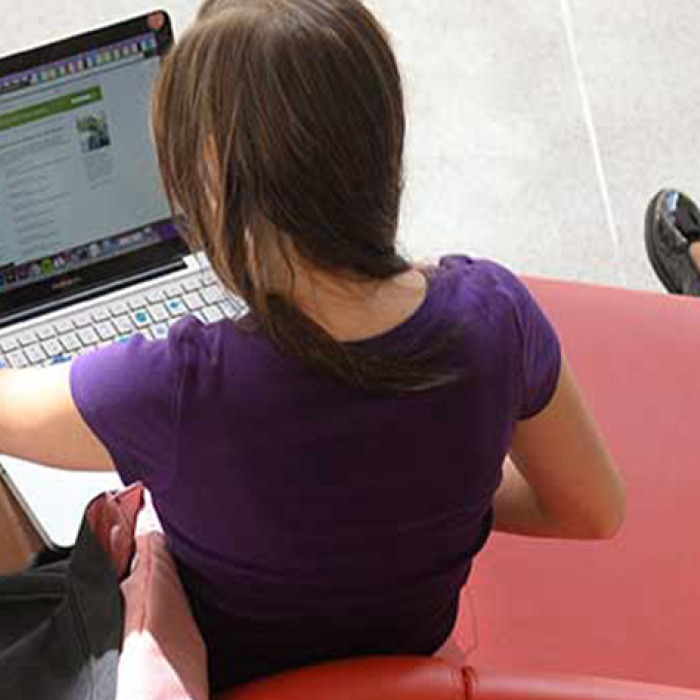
628	608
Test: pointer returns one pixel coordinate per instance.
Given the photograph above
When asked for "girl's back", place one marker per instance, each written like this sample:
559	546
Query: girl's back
335	519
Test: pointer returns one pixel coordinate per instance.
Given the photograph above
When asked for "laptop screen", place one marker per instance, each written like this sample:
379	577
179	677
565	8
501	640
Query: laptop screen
81	201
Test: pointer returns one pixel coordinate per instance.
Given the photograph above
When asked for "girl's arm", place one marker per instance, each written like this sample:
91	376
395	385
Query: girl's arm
40	422
562	481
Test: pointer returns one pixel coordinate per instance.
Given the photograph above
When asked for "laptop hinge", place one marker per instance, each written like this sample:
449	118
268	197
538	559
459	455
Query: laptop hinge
99	290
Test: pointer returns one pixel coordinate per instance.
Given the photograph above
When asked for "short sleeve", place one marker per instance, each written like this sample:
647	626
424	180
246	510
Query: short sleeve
541	352
538	345
128	394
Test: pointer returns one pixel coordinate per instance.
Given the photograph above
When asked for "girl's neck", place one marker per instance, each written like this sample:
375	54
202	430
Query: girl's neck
354	311
348	309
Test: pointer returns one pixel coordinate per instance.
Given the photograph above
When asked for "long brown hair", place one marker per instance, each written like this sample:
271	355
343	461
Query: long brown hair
279	127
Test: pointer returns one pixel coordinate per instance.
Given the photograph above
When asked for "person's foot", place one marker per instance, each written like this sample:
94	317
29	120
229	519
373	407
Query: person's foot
672	234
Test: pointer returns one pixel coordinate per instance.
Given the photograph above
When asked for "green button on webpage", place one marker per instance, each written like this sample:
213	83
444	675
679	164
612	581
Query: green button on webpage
50	108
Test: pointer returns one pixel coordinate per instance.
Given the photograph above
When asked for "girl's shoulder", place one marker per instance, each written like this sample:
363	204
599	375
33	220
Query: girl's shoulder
481	284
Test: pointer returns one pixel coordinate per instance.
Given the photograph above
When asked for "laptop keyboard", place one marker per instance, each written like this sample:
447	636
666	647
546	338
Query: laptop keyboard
150	313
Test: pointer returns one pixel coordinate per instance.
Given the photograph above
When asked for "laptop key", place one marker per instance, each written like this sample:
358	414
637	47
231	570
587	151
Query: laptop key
208	277
27	338
213	295
141	318
105	330
229	309
193	284
137	302
155	296
173	290
46	332
3	363
81	320
213	314
160	331
60	359
100	315
52	347
193	301
70	342
159	313
17	359
176	307
35	354
65	325
123	325
88	336
8	344
118	308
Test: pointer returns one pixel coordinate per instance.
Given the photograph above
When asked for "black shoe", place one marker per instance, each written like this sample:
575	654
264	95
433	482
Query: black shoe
672	224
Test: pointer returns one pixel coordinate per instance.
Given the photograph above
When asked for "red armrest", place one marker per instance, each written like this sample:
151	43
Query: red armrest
417	678
376	678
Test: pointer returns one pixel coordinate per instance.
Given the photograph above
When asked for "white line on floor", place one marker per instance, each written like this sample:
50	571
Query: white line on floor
593	135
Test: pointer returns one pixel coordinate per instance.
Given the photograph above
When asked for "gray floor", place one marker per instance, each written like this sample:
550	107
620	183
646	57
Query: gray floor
538	128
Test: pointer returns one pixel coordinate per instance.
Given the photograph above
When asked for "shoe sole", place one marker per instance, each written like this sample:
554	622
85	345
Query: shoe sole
649	237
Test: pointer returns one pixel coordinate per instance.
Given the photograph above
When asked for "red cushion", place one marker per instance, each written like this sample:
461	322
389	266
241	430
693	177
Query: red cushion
628	608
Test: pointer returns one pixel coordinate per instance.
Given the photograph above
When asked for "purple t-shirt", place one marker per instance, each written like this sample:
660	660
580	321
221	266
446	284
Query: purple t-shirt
311	520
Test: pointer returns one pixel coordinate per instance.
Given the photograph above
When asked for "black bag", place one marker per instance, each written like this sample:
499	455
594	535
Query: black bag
61	625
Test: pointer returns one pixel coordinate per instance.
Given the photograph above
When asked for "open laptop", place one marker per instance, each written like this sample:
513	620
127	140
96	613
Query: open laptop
89	253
